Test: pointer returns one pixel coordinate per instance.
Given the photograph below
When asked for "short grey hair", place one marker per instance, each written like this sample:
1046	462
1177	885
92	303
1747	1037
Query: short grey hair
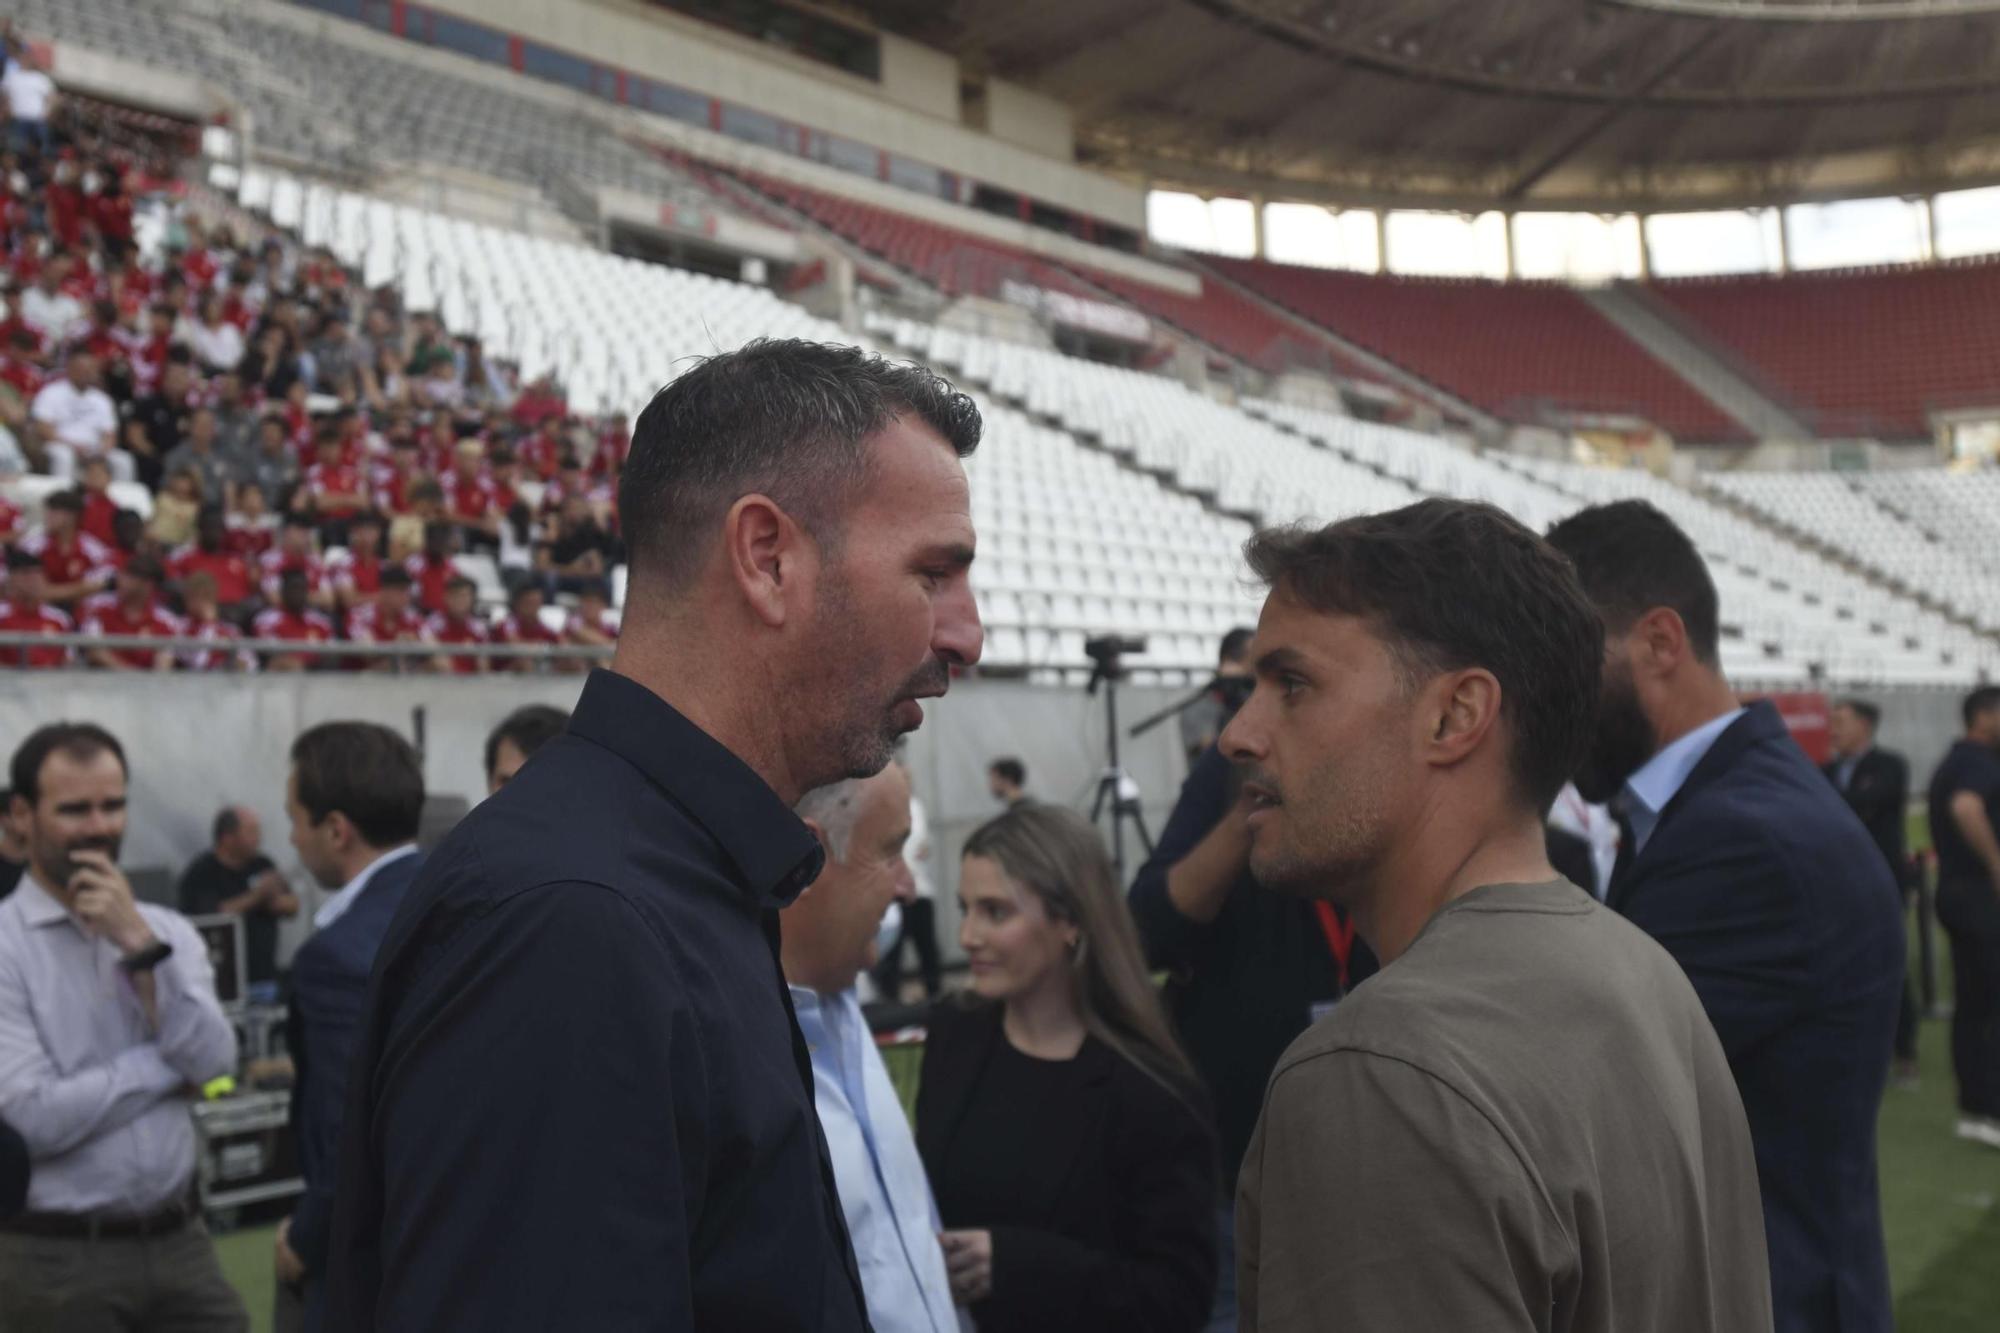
836	808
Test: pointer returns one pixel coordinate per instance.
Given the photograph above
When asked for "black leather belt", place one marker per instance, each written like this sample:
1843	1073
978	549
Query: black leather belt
89	1226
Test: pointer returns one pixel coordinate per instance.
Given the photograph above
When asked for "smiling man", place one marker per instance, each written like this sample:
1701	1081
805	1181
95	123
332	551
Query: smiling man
581	1099
1523	1121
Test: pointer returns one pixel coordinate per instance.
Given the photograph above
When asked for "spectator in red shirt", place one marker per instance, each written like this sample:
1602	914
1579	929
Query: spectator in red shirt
26	612
357	568
390	618
471	499
135	610
394	479
253	528
539	404
541	453
21	368
504	470
12	524
293	620
333	491
74	564
440	444
295	555
614	442
432	570
213	557
149	358
204	621
457	624
524	625
100	511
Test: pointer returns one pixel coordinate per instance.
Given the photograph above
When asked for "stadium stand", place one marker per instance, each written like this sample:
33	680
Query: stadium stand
1858	352
327	102
1112	499
1556	354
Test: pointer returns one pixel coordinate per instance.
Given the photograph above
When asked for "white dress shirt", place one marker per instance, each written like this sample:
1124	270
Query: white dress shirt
100	1099
884	1194
83	419
1648	790
336	907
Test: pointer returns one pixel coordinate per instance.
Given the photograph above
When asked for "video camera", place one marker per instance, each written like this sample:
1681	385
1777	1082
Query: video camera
1107	651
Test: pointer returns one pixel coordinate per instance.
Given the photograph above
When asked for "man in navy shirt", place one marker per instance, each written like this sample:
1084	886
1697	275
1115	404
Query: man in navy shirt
580	1098
1965	811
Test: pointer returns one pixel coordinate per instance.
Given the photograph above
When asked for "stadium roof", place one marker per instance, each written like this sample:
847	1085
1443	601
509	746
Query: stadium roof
1604	105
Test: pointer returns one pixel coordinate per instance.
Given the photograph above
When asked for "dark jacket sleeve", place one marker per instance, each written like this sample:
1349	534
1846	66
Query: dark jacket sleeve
1734	926
1161	1276
335	998
537	1127
1171	940
13	1171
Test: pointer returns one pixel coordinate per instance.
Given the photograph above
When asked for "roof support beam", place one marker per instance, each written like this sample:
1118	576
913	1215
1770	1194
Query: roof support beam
1601	120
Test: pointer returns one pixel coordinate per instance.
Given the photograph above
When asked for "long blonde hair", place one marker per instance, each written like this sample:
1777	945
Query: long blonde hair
1056	855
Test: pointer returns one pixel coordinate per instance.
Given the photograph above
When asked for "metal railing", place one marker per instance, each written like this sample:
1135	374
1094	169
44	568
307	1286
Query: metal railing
544	655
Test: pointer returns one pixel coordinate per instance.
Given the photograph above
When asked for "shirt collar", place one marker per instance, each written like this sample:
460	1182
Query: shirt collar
775	855
337	906
39	907
1666	772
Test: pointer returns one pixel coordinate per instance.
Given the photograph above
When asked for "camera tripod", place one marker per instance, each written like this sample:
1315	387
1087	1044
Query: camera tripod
1114	783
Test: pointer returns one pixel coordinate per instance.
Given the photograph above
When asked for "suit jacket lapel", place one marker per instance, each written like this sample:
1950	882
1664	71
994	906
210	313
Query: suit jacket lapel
1759	723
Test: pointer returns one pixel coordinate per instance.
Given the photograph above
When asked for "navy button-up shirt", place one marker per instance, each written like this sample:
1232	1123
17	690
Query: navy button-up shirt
580	1099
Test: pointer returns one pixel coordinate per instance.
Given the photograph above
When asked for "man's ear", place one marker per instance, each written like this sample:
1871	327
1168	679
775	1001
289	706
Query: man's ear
1465	709
765	548
1661	641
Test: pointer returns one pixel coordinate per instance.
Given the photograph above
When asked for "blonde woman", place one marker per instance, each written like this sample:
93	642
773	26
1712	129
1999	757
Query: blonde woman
1060	1123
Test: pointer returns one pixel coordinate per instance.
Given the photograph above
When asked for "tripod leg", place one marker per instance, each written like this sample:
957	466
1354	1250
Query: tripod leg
1139	822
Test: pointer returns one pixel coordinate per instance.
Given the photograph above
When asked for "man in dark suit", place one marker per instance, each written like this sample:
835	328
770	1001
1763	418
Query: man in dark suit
580	1096
1750	870
355	797
1876	783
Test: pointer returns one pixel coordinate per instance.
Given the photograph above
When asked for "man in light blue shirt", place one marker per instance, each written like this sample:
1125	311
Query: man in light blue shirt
1660	778
829	939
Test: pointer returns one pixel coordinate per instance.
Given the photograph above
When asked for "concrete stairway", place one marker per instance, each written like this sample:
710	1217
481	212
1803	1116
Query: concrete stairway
1640	318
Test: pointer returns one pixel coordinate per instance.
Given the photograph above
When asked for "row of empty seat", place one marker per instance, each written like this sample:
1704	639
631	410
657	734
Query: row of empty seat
1859	353
1790	615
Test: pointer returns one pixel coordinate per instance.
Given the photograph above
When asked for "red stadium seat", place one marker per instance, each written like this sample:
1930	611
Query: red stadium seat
1512	349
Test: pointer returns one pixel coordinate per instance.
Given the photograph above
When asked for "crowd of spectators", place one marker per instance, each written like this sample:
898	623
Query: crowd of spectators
313	454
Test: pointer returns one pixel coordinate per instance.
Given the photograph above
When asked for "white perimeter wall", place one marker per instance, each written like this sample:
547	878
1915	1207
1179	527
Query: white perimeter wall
197	743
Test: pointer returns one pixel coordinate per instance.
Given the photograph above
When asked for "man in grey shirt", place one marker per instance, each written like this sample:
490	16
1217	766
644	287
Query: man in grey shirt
1524	1121
200	452
109	1025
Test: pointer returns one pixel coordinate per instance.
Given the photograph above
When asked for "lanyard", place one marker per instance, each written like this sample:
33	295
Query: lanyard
1339	932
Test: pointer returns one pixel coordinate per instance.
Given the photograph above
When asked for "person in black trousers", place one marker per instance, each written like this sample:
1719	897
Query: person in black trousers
1876	784
1965	811
1061	1125
13	1171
